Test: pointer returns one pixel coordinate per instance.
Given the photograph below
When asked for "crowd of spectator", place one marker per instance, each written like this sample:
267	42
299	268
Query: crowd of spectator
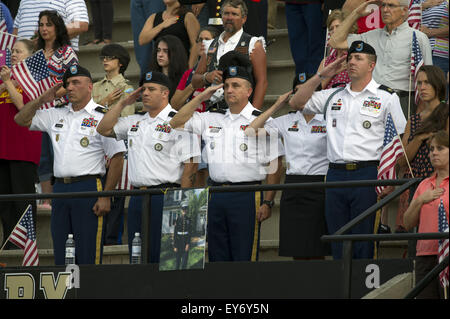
185	47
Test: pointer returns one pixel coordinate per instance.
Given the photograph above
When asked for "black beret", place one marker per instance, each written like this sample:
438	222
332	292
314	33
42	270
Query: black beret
234	64
361	47
75	70
301	78
155	77
236	71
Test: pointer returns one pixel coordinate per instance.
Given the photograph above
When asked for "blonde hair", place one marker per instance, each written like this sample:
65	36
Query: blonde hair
338	14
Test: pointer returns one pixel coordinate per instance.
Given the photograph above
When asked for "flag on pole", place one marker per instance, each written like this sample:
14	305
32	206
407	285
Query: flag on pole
416	63
24	237
33	75
7	40
415	14
392	150
443	244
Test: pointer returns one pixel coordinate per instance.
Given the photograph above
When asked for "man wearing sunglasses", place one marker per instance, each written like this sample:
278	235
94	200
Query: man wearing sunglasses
393	46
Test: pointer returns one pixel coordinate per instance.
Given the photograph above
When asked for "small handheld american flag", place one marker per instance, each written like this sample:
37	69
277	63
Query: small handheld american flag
443	243
24	237
415	14
416	63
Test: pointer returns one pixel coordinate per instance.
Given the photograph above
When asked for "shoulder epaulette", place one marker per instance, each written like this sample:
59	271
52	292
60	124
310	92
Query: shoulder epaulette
61	105
256	113
172	114
101	109
217	110
386	88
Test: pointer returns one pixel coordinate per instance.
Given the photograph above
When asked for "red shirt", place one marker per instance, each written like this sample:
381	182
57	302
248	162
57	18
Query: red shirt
182	85
17	142
428	222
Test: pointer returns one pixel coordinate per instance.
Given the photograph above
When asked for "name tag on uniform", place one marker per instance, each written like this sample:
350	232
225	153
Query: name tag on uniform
336	106
59	125
214	129
294	127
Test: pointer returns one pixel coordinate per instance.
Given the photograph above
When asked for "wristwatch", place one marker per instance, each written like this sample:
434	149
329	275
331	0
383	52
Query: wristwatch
269	203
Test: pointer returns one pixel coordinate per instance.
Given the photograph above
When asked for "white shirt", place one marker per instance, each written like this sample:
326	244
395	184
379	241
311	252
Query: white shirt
27	18
232	156
232	42
156	152
78	148
305	143
356	121
393	50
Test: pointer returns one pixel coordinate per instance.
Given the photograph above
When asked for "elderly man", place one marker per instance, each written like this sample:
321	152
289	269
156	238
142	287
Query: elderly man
234	16
393	45
356	119
234	159
79	163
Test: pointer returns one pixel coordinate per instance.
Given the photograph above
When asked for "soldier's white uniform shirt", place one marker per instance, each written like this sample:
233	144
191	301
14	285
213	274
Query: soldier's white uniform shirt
233	156
78	148
356	121
156	152
305	144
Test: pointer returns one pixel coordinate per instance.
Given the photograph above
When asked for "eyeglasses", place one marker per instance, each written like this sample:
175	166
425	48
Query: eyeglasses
107	57
390	6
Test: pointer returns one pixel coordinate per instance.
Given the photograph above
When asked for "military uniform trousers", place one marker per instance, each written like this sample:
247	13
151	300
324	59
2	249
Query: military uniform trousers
75	216
182	255
233	228
134	221
344	204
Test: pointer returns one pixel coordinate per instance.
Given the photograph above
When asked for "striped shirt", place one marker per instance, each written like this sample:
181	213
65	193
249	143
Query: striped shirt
27	17
433	18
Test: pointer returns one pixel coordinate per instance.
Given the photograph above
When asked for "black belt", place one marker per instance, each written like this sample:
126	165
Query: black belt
353	166
70	180
165	185
213	183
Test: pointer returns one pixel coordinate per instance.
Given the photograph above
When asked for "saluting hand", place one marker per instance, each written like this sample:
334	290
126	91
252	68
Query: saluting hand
130	99
208	92
50	95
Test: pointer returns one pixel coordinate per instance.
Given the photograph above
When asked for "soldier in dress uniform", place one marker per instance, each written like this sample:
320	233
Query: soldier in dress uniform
182	237
357	117
79	163
234	159
158	156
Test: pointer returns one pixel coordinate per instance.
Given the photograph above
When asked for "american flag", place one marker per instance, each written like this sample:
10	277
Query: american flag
7	40
5	58
443	243
3	27
24	237
415	14
33	75
392	150
416	63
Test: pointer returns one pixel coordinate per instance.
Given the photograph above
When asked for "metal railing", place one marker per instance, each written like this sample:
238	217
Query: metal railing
340	235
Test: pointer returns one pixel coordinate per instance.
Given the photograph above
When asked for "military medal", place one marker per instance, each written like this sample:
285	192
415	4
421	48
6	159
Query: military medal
131	143
367	124
84	142
57	137
334	123
158	147
243	147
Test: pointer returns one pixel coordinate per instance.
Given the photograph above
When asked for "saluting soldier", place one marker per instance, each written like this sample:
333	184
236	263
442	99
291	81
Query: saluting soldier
182	237
79	163
302	211
233	159
356	117
158	156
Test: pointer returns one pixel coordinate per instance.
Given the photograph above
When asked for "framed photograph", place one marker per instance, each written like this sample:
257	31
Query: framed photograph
183	229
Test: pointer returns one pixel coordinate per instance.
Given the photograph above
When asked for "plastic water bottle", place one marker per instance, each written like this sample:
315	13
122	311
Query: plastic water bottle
70	250
136	249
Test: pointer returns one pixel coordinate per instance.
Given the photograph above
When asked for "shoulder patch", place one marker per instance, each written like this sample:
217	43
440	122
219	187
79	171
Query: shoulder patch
61	105
386	88
101	109
172	114
256	113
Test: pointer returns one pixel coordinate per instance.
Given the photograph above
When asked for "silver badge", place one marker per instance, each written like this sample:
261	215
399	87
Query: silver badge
158	147
367	124
243	147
